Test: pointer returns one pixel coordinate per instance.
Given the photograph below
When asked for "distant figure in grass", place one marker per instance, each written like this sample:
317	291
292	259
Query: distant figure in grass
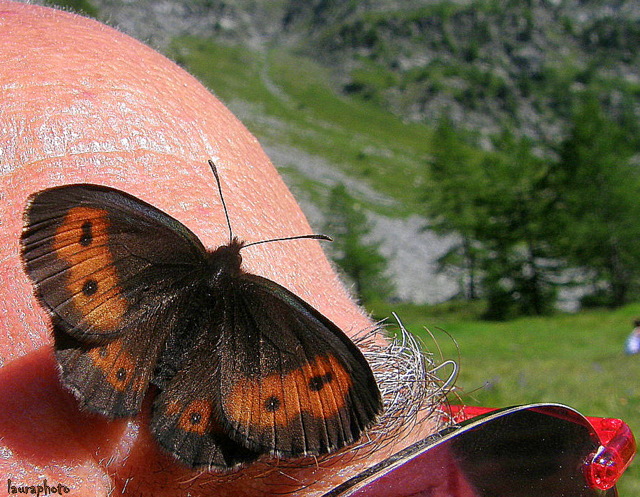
632	345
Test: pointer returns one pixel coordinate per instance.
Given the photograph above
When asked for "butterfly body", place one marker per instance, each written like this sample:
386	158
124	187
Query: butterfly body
243	366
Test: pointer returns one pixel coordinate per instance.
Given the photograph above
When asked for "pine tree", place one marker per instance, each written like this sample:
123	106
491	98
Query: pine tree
359	259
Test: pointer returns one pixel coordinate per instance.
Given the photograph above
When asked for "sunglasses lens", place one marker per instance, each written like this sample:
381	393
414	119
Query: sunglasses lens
528	454
534	451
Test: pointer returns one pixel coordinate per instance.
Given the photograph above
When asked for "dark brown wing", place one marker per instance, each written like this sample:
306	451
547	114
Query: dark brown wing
113	272
270	376
99	257
112	378
290	382
184	420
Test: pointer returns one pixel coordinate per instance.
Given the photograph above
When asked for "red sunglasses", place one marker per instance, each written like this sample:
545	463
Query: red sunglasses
537	450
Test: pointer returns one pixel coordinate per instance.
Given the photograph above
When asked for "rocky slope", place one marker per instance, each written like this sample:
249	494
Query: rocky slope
488	63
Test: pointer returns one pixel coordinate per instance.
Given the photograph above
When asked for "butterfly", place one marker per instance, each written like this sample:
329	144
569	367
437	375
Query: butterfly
243	367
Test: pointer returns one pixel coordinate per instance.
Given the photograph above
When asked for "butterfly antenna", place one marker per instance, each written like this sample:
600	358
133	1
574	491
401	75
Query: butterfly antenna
298	237
214	170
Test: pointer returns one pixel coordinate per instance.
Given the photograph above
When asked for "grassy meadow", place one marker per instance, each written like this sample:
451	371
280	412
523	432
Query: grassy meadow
576	359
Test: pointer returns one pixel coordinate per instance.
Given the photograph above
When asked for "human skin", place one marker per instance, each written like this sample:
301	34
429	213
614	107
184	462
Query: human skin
81	102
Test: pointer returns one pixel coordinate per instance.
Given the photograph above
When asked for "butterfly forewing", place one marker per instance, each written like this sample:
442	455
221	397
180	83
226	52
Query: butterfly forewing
94	254
97	256
291	383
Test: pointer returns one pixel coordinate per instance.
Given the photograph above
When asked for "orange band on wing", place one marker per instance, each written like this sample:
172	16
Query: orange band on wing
82	241
195	418
319	388
117	366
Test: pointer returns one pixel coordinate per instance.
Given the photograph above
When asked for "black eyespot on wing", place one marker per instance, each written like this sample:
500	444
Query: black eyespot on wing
87	235
121	374
317	383
195	418
90	287
272	404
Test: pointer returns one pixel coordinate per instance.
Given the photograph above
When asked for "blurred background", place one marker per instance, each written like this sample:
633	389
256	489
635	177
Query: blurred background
476	161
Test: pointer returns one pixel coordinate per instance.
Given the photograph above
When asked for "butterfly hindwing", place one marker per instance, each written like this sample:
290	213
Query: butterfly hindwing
184	420
111	378
290	382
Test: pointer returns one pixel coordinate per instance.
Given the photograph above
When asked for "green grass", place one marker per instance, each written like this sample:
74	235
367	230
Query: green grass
576	360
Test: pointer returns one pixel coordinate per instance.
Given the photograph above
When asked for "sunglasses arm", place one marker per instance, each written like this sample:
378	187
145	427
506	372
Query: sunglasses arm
617	449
